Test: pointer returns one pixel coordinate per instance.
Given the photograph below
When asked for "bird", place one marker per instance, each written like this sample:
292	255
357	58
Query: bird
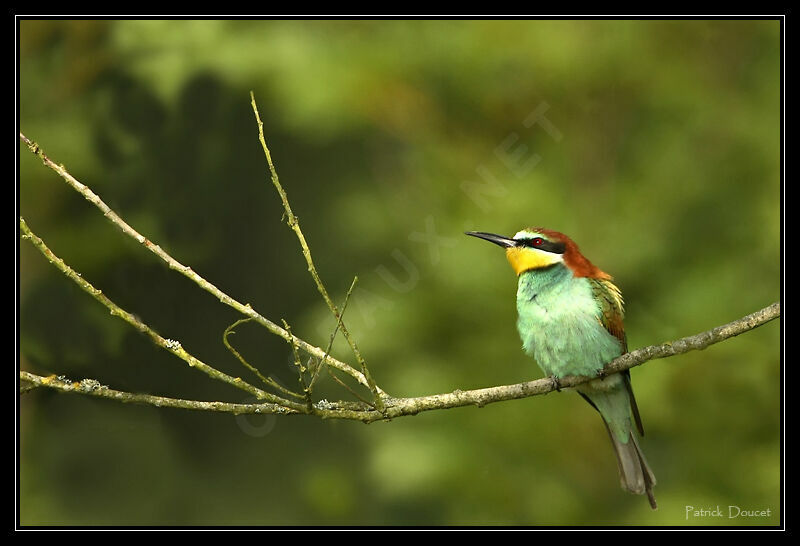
570	320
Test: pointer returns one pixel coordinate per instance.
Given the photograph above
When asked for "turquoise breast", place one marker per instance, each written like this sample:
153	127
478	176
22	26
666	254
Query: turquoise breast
559	323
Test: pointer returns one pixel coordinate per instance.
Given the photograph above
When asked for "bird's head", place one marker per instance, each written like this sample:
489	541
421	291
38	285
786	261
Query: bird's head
537	248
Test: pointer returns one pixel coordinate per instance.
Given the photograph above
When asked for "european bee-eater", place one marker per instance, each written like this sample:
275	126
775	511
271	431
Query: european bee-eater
571	322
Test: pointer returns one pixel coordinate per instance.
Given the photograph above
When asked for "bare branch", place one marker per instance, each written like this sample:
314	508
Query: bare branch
170	345
398	407
294	223
92	387
245	309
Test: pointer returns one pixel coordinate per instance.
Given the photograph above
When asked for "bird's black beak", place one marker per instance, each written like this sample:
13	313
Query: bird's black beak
505	242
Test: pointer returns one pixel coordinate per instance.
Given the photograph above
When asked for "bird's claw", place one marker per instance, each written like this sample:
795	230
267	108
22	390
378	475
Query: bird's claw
556	383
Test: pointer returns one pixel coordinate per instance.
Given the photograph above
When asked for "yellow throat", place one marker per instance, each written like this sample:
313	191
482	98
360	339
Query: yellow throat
524	259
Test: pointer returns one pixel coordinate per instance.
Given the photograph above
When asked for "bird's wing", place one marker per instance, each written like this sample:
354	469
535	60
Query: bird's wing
612	310
612	313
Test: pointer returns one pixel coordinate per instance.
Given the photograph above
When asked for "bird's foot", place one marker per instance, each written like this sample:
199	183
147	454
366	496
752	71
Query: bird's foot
556	383
602	374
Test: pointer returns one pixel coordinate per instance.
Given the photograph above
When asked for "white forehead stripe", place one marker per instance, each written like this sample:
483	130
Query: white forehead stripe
525	234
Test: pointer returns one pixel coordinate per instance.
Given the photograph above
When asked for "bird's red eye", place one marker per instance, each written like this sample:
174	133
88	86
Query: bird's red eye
537	241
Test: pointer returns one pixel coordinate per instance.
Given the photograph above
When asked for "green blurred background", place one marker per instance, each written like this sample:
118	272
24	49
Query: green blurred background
658	152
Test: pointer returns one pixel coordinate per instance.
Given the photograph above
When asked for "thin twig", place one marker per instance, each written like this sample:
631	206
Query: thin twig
333	336
294	223
349	389
398	407
245	309
301	378
266	380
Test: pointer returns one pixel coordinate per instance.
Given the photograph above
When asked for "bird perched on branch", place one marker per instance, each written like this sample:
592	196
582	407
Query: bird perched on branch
571	322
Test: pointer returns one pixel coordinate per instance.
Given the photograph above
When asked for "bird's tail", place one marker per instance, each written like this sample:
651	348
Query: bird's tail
634	472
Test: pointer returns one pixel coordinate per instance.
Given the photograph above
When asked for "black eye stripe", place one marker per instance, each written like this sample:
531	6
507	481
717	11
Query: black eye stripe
547	246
